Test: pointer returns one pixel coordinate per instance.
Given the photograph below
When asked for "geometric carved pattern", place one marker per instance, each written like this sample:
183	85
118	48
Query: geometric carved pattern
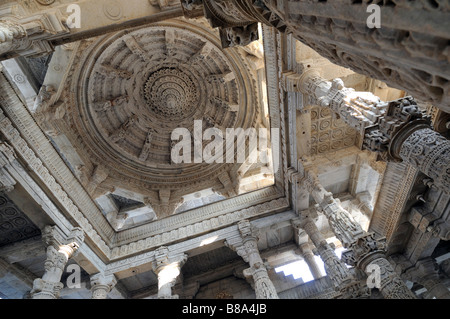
14	225
329	134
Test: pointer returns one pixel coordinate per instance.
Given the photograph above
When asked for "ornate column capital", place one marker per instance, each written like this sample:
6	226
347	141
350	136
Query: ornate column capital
363	250
101	285
43	289
54	236
247	231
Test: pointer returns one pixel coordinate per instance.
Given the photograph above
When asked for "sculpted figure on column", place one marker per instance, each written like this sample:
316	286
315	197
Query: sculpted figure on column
59	250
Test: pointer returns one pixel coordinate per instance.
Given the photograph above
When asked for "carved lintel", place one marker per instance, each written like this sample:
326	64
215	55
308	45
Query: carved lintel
425	272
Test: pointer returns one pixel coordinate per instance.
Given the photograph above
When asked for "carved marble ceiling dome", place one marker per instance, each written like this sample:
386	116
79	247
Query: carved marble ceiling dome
133	88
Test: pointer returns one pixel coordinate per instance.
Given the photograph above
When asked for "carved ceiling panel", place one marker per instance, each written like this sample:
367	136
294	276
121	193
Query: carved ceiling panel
328	133
127	92
14	224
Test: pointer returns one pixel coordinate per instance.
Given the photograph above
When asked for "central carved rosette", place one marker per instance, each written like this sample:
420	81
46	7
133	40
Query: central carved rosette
171	93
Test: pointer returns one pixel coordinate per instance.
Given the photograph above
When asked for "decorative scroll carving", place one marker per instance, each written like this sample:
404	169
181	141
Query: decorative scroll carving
393	55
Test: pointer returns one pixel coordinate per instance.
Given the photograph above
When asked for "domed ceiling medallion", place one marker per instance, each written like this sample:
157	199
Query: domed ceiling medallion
133	89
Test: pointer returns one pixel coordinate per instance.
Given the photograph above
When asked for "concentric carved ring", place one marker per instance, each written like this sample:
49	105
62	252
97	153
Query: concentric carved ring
170	93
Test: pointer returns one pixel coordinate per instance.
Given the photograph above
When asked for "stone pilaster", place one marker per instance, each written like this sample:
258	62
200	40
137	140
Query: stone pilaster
59	250
101	285
425	272
247	248
167	267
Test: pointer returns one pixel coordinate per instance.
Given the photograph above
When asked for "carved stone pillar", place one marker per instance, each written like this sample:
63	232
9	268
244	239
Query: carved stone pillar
247	248
167	267
397	130
364	251
343	280
308	255
60	249
101	285
429	151
425	272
